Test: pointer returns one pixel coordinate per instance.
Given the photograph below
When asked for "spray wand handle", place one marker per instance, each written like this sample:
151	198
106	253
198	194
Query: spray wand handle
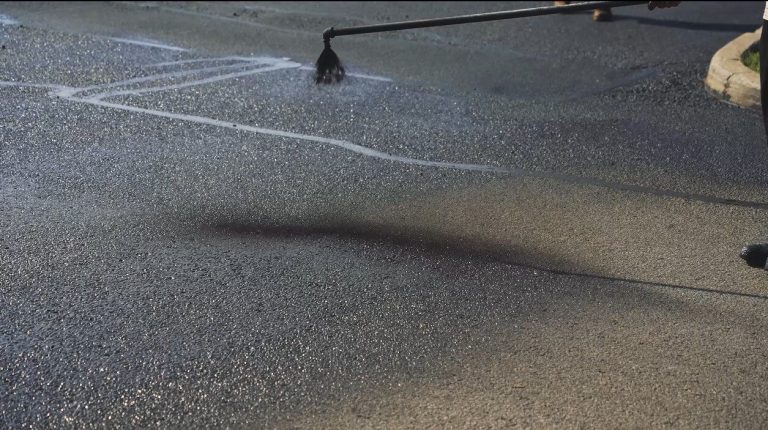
478	17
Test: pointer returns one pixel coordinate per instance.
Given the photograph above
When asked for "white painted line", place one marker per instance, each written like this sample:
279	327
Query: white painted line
7	20
371	77
158	76
62	88
265	59
237	58
100	96
274	64
362	150
151	44
200	60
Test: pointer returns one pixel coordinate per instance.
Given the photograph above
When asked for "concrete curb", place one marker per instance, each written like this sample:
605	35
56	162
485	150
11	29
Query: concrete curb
729	79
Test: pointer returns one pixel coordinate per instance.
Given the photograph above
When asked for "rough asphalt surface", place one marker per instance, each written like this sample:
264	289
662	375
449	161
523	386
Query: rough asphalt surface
530	223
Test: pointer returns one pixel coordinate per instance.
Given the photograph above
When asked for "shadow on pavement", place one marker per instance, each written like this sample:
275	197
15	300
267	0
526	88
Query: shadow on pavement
441	244
690	25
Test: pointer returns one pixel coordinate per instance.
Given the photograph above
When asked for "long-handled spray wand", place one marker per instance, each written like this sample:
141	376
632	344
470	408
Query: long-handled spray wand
330	70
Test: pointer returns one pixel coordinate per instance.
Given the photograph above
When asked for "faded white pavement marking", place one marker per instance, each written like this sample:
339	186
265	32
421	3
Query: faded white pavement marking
178	74
151	44
31	85
201	60
283	65
236	58
362	150
7	20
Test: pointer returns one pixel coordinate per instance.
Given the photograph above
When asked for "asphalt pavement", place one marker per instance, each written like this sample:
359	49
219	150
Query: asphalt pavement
532	223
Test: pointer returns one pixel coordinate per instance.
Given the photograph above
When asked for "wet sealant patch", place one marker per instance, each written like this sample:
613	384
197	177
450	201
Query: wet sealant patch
189	73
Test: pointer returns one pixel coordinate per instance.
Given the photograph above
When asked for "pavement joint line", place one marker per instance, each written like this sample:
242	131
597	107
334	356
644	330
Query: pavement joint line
225	18
251	23
262	8
239	21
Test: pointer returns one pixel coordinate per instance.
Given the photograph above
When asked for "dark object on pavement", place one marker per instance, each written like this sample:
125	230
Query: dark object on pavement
602	15
328	66
755	255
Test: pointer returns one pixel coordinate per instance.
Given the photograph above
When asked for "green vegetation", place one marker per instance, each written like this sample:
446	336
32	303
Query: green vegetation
751	58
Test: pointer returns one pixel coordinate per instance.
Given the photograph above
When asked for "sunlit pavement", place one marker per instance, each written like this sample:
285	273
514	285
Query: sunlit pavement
529	223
